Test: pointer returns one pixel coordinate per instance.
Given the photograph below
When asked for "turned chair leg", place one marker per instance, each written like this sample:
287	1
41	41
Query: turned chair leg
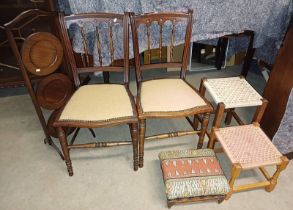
141	141
204	126
235	172
195	122
134	136
274	178
64	146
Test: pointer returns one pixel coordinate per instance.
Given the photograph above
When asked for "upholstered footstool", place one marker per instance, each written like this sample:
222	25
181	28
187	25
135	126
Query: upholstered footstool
192	175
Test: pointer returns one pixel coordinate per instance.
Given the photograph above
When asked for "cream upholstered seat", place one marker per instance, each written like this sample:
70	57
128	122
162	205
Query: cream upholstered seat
233	92
168	95
248	146
98	103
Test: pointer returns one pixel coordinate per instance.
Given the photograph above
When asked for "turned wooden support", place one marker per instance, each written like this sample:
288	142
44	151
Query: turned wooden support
64	146
204	126
170	135
273	180
142	125
134	136
235	172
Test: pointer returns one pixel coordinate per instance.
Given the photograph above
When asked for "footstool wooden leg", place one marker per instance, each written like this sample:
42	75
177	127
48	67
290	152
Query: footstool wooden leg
204	126
65	150
235	172
274	178
141	141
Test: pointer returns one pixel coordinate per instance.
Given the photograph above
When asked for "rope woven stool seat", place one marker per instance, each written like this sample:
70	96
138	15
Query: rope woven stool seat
233	92
248	145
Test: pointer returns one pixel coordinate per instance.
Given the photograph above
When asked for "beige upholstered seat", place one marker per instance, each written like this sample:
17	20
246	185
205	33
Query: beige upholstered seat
98	103
233	92
168	95
248	146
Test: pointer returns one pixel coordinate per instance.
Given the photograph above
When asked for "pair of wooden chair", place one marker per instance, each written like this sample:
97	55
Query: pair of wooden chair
104	105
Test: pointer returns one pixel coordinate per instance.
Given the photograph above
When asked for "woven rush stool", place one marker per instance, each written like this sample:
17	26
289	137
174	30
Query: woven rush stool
230	93
192	175
248	147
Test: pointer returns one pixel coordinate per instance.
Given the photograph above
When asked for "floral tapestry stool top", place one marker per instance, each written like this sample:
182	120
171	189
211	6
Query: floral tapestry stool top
192	175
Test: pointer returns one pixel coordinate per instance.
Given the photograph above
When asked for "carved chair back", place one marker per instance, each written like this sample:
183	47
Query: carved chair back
168	25
97	39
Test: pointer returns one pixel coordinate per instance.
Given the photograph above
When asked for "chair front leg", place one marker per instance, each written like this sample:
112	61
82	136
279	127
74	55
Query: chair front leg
64	146
142	125
204	126
134	136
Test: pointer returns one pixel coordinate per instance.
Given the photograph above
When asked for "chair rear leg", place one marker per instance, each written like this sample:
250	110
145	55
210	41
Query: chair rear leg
134	136
204	126
64	146
141	141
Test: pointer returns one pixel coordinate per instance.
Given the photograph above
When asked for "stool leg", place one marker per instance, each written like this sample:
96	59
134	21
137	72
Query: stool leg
229	117
219	115
260	111
235	172
212	140
202	88
204	126
274	178
141	141
64	145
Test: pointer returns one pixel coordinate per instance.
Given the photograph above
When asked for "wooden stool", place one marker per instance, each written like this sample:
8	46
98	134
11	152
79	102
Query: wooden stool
248	147
192	175
230	93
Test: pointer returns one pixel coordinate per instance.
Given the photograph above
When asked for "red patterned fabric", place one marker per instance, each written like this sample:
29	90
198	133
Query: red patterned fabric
187	167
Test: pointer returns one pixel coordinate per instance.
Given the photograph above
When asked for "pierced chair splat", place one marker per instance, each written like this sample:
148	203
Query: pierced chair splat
167	97
97	105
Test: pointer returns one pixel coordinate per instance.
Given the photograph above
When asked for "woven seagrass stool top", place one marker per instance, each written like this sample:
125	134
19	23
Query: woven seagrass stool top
248	145
233	92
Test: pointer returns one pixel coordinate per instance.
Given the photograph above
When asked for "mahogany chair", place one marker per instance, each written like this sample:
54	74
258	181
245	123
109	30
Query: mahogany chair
167	97
98	105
